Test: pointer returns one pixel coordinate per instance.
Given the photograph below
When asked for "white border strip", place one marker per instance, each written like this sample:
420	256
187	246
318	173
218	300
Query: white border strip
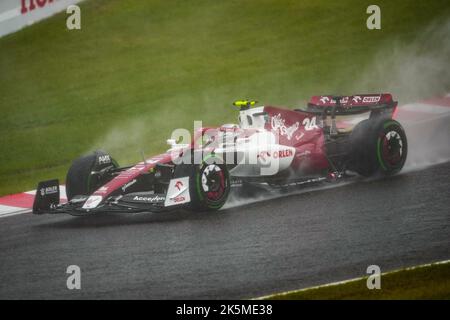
7	211
13	13
284	293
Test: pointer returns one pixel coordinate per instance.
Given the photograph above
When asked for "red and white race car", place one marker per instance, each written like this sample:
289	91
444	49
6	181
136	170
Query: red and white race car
271	146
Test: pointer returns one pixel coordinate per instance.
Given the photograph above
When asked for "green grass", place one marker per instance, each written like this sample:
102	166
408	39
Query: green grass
139	69
427	282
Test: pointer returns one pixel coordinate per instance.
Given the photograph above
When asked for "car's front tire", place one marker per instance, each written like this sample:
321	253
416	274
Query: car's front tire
209	184
80	180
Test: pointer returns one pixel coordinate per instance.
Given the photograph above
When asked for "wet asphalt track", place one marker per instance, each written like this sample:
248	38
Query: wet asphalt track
248	251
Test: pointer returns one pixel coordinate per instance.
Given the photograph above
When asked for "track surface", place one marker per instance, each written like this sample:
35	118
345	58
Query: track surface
285	243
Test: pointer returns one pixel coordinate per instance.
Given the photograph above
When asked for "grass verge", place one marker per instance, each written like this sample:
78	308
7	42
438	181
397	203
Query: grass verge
422	282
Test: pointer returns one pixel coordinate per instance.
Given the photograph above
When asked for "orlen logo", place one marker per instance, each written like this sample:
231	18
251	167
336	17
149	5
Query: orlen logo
356	99
283	153
179	199
32	4
263	154
178	185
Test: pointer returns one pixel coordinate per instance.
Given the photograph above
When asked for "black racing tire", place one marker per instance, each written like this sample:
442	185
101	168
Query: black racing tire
217	181
79	180
378	146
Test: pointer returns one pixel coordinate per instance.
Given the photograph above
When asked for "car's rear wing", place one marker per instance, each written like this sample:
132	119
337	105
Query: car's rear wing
346	105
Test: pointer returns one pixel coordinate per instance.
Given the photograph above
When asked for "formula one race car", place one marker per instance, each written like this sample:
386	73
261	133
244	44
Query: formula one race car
334	136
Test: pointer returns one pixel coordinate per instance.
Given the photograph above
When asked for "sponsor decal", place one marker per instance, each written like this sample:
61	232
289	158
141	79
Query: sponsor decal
179	199
178	192
150	199
325	99
105	159
283	153
179	185
278	125
263	154
92	202
128	184
356	99
48	190
309	124
371	99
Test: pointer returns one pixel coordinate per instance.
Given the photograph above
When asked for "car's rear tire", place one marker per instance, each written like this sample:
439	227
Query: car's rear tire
209	184
378	146
80	181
